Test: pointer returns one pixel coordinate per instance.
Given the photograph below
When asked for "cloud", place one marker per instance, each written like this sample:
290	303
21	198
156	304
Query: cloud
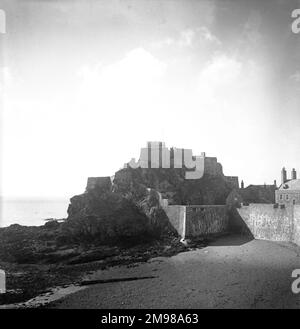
228	89
6	77
121	97
217	76
207	35
252	28
296	76
123	88
190	38
131	76
186	38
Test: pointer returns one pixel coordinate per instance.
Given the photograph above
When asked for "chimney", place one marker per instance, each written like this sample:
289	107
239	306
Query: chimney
283	176
294	174
242	184
275	183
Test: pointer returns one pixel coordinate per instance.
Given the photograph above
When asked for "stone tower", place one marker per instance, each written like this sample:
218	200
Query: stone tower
294	174
242	184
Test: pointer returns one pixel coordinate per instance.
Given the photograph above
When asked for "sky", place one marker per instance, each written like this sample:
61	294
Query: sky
85	84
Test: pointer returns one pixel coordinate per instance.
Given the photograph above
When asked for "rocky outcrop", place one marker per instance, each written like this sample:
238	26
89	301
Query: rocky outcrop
211	189
112	217
129	208
106	217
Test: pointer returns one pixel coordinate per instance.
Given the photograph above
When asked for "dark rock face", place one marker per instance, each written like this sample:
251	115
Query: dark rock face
211	189
111	217
107	217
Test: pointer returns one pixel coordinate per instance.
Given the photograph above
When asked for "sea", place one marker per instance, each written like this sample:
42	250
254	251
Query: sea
31	212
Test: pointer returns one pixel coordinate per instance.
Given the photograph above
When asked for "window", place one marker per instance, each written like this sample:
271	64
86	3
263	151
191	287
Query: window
281	196
287	197
294	201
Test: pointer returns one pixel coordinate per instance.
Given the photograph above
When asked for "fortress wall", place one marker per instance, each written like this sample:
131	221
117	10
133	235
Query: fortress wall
212	167
268	223
262	221
233	181
296	236
195	221
205	220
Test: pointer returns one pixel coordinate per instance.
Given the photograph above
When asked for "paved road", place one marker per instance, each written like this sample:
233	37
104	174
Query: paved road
230	273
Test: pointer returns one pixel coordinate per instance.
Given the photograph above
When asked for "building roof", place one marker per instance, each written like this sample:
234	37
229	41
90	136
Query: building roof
293	185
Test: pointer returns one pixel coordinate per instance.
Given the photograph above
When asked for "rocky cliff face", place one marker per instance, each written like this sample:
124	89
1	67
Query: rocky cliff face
108	216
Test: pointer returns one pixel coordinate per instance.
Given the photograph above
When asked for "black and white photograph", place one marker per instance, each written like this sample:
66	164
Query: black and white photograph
149	157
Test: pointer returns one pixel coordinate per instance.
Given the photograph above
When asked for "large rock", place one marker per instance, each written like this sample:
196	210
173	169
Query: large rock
112	217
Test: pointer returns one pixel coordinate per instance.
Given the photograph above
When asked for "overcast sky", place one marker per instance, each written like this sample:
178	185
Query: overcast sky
87	83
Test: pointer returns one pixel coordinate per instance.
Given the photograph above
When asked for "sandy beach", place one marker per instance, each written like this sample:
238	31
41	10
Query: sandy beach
231	272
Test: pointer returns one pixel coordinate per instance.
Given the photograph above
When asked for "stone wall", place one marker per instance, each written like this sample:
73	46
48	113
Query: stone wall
206	220
261	221
232	181
2	282
270	222
103	183
195	221
296	237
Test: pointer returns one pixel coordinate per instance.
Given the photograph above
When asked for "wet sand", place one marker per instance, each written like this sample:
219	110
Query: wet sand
232	272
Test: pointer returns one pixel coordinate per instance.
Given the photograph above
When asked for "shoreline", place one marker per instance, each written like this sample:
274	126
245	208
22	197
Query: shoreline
27	282
41	300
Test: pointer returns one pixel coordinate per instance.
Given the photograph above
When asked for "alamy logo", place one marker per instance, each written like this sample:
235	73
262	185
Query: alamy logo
2	21
2	282
296	22
156	155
